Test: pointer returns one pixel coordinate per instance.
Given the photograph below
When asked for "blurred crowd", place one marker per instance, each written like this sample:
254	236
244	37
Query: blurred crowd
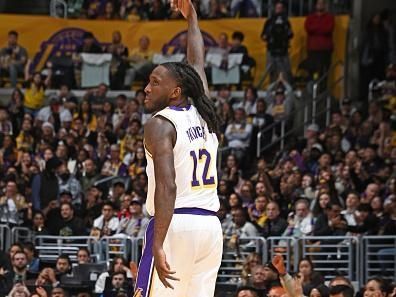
273	279
57	161
77	166
160	10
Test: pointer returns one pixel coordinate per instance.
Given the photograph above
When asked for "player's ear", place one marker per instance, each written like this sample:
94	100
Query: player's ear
176	92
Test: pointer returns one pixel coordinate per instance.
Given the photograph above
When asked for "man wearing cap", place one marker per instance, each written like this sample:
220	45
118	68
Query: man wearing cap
281	98
55	113
135	225
264	277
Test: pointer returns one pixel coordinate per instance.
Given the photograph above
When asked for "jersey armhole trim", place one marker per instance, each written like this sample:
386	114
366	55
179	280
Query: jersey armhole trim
170	121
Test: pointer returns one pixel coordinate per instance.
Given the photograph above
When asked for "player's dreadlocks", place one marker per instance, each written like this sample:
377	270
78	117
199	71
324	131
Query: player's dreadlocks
191	84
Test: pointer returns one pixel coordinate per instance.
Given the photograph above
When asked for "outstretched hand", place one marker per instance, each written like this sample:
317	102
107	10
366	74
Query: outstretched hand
184	6
279	264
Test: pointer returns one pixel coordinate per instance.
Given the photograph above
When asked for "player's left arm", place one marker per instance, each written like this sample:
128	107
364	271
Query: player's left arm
160	137
195	44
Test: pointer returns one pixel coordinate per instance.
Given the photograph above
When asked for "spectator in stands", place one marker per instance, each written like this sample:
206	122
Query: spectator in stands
246	291
366	222
89	46
375	52
18	273
15	110
35	90
281	99
138	165
63	265
257	212
92	8
118	264
69	184
372	190
38	226
55	113
309	277
5	123
238	134
114	165
46	277
375	287
118	63
92	206
275	225
319	291
25	138
251	261
352	202
133	10
83	256
330	223
341	291
109	12
13	58
135	225
119	285
249	101
245	8
12	204
107	223
32	257
140	62
240	228
222	48
157	10
264	278
301	222
89	175
277	33
238	48
119	111
68	224
319	26
85	113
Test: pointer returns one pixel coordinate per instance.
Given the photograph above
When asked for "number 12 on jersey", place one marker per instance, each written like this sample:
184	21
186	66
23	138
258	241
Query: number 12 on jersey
203	155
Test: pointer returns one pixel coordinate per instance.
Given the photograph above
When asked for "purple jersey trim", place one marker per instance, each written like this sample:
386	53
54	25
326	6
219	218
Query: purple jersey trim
194	211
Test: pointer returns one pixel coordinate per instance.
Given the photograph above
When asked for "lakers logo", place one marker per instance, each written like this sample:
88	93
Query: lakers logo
62	43
180	38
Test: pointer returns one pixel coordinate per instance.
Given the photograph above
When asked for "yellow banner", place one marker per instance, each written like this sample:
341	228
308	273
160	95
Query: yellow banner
41	36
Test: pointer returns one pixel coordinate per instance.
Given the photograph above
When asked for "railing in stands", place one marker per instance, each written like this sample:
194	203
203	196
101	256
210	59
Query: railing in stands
50	247
5	237
234	254
21	234
304	7
287	247
332	255
380	257
357	257
121	245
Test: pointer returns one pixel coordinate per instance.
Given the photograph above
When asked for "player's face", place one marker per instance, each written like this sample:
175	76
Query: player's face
159	90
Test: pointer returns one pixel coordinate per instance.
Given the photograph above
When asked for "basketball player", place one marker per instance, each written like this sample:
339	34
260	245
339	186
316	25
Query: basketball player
183	243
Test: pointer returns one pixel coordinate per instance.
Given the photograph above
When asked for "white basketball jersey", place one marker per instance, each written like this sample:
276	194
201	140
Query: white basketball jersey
195	155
